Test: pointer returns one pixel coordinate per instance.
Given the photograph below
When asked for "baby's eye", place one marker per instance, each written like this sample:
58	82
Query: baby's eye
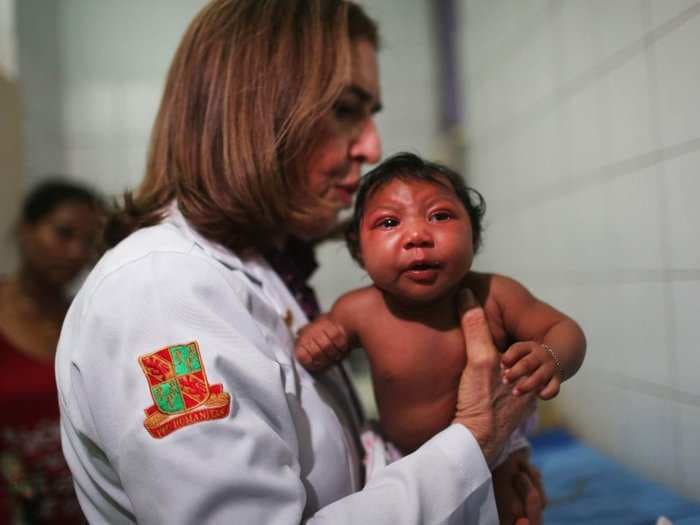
441	216
387	223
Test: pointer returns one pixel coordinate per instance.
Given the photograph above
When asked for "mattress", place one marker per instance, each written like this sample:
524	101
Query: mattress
585	486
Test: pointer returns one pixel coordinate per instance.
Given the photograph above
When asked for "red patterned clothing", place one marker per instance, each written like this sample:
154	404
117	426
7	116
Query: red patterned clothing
35	483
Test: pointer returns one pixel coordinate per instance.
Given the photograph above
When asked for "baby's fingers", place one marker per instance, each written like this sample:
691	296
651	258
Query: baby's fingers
516	352
304	356
535	381
337	336
333	342
317	350
523	367
551	390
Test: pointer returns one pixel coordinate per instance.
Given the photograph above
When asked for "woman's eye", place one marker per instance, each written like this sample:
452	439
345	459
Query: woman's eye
441	216
64	232
345	111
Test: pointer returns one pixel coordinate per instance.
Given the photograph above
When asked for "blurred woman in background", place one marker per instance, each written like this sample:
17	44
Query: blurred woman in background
57	234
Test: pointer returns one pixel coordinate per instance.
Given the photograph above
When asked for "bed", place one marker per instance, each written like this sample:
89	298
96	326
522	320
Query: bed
585	486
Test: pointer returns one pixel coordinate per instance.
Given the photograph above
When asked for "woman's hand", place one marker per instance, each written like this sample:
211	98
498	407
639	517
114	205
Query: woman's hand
484	404
520	497
528	483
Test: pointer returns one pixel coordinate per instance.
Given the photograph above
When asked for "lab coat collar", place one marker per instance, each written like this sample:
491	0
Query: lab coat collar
253	266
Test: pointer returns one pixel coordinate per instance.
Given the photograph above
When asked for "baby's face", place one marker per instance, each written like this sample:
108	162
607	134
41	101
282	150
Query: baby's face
416	239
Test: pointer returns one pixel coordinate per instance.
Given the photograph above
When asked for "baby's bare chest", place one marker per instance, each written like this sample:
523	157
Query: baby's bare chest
408	354
408	351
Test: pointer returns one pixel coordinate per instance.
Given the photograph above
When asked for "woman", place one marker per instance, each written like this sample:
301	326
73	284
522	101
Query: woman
181	401
57	232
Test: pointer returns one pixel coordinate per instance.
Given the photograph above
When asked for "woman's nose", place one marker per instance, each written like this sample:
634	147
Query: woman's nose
77	251
367	148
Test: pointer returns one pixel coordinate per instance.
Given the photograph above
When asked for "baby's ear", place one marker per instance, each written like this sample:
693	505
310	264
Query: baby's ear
354	246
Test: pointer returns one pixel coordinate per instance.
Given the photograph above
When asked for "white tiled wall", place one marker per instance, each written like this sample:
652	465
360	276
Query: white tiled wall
678	76
92	74
689	450
584	128
8	40
687	337
10	138
682	186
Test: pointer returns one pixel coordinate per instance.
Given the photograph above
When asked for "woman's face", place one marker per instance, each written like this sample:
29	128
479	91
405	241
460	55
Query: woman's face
349	137
61	243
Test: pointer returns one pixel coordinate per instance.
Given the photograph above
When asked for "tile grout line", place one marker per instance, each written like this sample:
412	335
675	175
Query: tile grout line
666	250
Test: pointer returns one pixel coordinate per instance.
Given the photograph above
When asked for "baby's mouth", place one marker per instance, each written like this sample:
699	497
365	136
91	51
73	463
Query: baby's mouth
423	271
423	265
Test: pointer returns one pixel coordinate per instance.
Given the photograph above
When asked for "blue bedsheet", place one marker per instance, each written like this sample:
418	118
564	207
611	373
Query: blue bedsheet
584	486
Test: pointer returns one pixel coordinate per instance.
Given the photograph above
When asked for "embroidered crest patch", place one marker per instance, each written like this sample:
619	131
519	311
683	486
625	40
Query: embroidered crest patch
180	390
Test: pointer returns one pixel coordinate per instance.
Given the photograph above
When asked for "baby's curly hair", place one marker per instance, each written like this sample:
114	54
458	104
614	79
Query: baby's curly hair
408	166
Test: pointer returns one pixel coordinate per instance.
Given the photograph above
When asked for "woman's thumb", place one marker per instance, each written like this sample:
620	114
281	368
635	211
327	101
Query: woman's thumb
475	328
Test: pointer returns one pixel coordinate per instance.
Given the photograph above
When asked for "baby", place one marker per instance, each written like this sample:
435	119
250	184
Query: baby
415	230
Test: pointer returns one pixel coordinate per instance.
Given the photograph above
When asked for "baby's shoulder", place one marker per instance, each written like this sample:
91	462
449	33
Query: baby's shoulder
353	308
358	300
491	287
481	284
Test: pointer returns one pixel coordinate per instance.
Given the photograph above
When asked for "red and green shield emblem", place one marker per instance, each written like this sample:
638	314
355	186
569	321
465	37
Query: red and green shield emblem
180	390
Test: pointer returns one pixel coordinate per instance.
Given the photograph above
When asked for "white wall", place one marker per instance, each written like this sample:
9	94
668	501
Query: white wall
584	135
8	39
92	74
10	137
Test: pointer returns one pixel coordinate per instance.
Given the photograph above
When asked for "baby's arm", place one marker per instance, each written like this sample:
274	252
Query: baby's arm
329	337
550	347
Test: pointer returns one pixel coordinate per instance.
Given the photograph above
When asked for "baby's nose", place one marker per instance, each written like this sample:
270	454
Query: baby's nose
418	236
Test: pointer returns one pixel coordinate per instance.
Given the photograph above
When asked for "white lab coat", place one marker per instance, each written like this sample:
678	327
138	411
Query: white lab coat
285	452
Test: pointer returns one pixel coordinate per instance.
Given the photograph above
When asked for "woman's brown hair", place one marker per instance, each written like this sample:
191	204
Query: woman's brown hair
248	83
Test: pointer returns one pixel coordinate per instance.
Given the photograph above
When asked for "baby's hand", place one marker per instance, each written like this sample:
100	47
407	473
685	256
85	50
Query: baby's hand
321	343
533	368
